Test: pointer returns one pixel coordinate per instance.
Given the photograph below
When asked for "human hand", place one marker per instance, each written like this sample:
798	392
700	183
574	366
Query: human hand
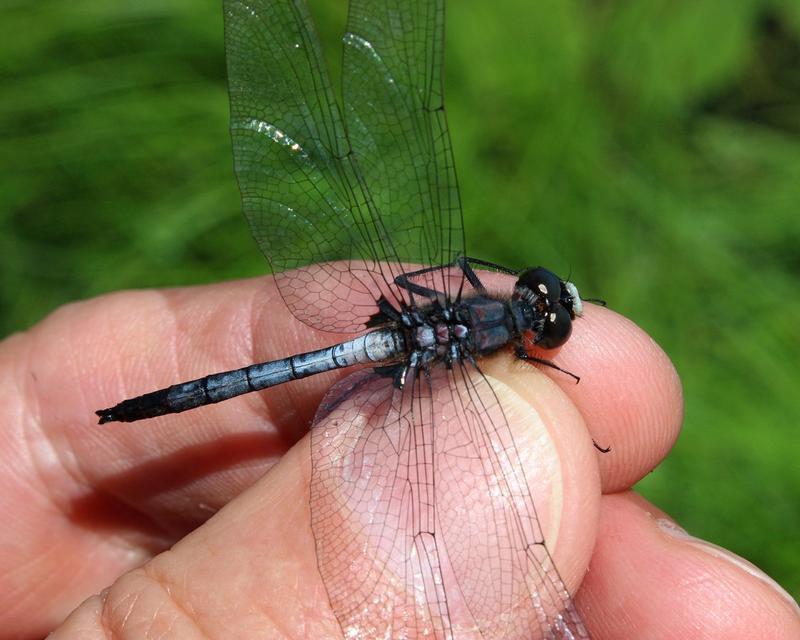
86	505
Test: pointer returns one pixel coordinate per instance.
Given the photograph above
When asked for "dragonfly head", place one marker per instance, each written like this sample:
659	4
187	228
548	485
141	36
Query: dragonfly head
554	300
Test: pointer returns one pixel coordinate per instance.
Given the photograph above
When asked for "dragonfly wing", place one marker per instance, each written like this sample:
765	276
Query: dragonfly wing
307	205
335	209
394	108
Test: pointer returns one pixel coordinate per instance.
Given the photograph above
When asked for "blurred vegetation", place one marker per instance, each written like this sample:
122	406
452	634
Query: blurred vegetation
652	147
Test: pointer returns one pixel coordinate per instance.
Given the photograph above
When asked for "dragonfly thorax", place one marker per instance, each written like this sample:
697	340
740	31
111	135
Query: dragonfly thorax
436	333
542	305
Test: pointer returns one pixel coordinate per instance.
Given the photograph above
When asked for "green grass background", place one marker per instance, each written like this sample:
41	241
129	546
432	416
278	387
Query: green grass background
652	147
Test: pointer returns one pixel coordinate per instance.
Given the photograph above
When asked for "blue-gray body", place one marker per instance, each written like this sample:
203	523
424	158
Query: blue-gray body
539	311
374	347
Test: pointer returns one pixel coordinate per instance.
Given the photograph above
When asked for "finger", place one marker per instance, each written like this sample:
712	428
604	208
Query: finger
629	394
252	569
649	579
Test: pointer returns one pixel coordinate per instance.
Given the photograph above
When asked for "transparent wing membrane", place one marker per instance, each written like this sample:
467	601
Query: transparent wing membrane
353	206
394	107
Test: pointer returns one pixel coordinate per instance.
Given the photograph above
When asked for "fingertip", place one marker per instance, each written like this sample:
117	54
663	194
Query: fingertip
630	394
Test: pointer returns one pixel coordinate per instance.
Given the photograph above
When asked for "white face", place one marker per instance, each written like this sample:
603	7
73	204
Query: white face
577	304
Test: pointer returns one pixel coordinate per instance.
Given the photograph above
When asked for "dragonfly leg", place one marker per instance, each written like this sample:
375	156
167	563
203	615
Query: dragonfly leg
601	449
464	263
524	355
404	282
385	313
491	265
395	371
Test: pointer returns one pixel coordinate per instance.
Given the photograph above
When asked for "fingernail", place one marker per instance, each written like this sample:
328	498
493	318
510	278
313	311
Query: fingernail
674	531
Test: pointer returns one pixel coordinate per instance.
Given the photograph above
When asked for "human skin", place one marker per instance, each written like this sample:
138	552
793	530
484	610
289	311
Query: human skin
197	525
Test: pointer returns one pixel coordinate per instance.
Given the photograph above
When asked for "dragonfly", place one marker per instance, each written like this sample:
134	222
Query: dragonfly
355	204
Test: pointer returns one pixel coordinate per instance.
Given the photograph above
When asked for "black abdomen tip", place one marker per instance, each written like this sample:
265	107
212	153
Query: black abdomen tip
106	415
149	405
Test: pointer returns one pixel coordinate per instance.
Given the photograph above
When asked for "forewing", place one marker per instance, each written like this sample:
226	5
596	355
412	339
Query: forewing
301	189
394	108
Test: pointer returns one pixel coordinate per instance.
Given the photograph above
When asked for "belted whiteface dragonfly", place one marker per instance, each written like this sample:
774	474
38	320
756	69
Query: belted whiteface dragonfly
341	200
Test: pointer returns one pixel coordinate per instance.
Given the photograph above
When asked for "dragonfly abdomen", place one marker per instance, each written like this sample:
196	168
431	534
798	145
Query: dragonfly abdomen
377	346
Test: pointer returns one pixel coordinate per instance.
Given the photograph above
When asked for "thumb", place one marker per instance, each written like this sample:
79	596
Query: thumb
250	571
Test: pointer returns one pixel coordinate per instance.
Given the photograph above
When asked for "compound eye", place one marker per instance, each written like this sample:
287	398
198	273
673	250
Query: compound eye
557	328
542	282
